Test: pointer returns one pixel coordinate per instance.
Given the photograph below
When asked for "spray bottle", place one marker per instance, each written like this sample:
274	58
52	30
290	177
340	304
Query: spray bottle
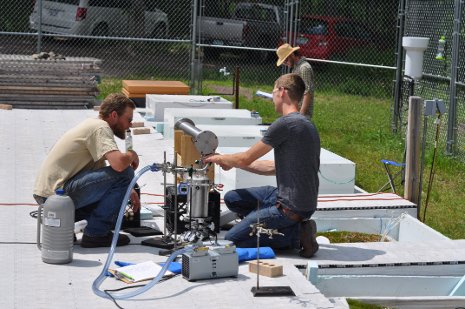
441	47
57	223
128	140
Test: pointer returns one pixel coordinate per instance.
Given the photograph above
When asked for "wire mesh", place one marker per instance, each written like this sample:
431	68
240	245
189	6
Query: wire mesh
137	38
435	19
339	38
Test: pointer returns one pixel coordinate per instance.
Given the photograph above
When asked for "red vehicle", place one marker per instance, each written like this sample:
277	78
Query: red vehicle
322	37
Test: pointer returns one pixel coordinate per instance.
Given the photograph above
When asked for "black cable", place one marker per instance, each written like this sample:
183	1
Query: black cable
432	170
120	289
130	287
34	214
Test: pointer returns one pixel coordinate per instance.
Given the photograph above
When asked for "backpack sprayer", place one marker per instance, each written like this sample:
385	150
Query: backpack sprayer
211	261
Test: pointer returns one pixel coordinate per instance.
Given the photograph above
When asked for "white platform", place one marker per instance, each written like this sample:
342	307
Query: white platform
156	103
337	174
207	116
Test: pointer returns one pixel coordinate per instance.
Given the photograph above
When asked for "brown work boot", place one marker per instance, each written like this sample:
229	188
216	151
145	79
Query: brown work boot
308	238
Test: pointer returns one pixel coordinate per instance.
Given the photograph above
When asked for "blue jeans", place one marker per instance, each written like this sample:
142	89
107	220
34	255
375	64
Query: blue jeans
244	203
103	190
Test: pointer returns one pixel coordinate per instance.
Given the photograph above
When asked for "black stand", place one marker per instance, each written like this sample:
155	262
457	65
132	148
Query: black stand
267	291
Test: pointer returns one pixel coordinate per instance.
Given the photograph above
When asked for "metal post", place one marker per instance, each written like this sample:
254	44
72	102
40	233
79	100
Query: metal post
398	84
452	118
237	78
413	151
194	65
39	30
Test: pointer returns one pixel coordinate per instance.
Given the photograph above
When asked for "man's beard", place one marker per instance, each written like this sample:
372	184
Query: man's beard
119	132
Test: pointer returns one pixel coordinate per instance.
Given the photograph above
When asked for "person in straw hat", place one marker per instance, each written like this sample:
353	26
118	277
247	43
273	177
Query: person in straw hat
290	57
287	207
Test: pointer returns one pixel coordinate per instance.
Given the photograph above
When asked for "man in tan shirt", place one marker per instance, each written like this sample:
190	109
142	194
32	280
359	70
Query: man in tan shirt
77	163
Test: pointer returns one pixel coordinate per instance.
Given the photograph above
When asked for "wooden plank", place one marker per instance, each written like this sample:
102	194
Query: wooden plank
51	92
49	76
6	107
53	88
41	71
51	98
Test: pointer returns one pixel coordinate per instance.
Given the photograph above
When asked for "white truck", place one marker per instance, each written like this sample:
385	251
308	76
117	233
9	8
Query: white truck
251	25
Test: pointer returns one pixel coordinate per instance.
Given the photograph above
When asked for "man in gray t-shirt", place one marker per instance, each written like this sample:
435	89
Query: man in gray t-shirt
287	207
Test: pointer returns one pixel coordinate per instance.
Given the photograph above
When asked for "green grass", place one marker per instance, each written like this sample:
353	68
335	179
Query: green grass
355	304
358	128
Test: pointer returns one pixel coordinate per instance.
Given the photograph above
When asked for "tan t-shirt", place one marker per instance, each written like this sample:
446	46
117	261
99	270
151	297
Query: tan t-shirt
81	148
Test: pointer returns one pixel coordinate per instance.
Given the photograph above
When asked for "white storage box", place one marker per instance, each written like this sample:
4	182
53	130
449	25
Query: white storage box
208	116
337	174
156	104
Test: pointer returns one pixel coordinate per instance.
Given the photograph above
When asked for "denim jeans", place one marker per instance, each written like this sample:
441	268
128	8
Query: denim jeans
101	191
244	203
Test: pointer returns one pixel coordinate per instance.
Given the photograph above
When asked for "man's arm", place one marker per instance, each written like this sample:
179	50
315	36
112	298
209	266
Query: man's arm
119	161
306	103
262	167
243	159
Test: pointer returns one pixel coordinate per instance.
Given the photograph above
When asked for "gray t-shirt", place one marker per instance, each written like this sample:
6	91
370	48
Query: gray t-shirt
296	146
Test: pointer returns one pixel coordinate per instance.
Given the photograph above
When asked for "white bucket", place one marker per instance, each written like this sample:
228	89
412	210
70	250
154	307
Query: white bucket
414	47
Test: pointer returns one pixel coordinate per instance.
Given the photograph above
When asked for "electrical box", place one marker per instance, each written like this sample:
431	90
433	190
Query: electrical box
208	117
337	174
156	104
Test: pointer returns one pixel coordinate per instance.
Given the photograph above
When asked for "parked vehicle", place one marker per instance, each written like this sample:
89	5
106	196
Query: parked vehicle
322	37
96	17
251	25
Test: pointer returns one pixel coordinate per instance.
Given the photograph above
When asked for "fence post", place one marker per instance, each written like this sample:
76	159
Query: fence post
398	83
39	30
452	118
412	161
195	63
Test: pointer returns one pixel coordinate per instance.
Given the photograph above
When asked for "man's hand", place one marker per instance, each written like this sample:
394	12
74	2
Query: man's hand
135	201
135	159
217	159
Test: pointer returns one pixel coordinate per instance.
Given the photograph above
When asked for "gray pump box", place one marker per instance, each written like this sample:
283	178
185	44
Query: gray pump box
210	263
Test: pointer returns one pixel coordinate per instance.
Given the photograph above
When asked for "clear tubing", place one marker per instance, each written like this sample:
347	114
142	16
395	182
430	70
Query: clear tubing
103	275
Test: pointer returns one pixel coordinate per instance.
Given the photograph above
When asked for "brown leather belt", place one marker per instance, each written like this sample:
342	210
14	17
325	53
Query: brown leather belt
289	213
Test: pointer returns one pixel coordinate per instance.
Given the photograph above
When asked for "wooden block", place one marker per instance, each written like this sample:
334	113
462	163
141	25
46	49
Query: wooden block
189	155
138	131
133	95
266	268
7	107
177	140
188	151
134	87
137	124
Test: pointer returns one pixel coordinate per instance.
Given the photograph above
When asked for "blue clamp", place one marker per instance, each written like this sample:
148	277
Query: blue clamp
155	167
394	163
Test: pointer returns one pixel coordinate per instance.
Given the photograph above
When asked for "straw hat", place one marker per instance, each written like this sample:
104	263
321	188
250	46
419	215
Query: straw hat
283	52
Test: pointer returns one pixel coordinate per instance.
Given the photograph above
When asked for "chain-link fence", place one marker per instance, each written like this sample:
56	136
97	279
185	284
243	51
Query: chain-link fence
443	71
133	38
349	43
